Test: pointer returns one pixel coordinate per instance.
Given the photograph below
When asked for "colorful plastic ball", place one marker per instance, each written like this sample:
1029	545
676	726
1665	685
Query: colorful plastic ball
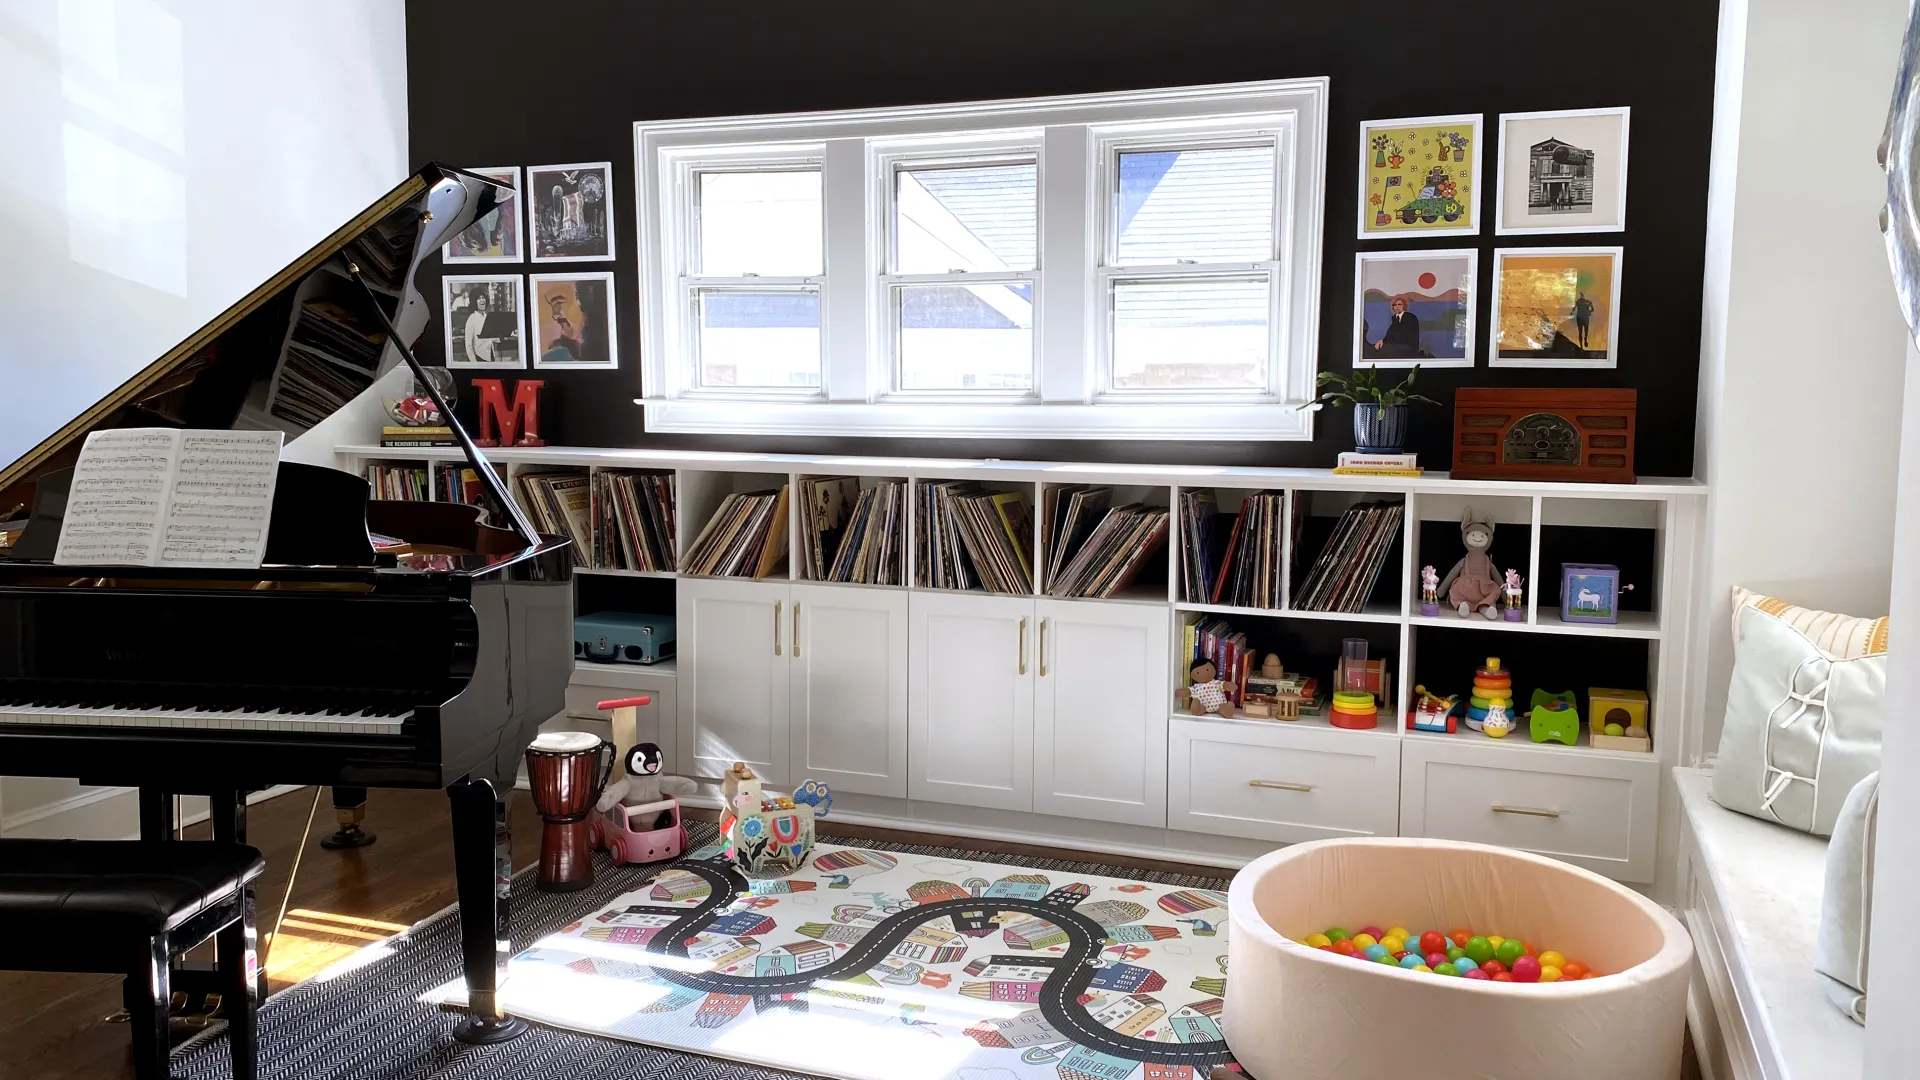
1446	969
1573	969
1495	940
1465	964
1550	958
1455	952
1461	937
1615	730
1529	947
1526	969
1373	932
1324	948
1337	934
1590	975
1549	973
1510	950
1344	947
1475	973
1423	967
1480	949
1387	960
1432	942
1363	939
1435	959
1399	932
1493	967
1411	961
1317	940
1501	976
1376	951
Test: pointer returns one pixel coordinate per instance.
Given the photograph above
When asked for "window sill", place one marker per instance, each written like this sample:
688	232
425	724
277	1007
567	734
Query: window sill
1195	422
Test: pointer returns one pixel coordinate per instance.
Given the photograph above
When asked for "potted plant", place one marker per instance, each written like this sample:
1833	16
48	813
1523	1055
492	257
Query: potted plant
1379	415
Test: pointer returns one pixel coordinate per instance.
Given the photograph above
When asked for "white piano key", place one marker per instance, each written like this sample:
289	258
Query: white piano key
196	720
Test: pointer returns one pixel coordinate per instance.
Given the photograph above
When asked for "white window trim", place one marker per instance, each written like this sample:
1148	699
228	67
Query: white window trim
856	375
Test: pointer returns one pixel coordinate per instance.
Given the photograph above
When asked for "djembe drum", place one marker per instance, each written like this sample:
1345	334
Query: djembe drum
567	770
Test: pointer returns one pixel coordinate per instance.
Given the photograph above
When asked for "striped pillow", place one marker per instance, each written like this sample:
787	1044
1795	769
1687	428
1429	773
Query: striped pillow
1842	637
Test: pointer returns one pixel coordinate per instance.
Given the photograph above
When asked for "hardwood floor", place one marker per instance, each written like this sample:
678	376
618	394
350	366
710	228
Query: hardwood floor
53	1027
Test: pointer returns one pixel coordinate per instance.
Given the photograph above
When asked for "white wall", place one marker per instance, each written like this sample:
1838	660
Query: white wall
1804	351
158	159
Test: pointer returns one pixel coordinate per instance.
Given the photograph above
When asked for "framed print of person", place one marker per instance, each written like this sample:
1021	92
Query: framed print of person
1420	176
570	212
572	317
1415	307
1556	307
495	237
483	322
1563	172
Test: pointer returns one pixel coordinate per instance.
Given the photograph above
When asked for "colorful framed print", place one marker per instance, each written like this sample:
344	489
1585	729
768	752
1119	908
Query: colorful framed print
483	321
1420	177
1415	307
572	320
570	212
1556	307
495	238
1563	172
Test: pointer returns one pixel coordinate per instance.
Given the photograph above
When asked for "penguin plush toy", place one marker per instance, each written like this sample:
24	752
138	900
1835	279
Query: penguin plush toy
644	784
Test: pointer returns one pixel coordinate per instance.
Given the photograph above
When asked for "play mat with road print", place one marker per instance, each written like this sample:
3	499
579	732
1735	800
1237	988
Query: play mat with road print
874	965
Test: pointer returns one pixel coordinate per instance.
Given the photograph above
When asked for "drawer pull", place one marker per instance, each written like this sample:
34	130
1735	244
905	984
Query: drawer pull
1279	785
1525	811
1023	644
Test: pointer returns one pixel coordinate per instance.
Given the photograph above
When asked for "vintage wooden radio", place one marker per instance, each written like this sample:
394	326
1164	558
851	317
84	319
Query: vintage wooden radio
1584	436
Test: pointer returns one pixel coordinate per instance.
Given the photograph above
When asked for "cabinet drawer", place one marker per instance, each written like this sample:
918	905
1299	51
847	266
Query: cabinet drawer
1279	782
1593	811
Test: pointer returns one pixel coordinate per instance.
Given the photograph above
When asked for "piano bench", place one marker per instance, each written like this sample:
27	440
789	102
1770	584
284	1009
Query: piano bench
131	906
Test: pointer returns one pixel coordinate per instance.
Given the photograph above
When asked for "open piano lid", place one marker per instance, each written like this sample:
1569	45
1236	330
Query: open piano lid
290	354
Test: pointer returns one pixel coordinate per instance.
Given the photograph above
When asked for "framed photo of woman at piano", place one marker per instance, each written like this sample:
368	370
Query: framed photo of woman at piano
483	321
496	237
572	319
570	215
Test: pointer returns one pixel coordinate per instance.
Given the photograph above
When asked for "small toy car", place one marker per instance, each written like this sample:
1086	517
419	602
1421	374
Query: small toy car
649	833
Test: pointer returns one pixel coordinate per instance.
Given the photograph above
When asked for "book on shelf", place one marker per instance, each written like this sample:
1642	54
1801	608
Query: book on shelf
395	436
974	537
745	537
1112	554
463	486
1355	459
1350	562
633	520
1247	571
405	483
1378	472
561	504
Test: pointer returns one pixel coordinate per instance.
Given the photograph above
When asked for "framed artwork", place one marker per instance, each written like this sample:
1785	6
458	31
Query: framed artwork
1420	176
496	237
570	212
1563	172
572	319
483	321
1556	307
1415	307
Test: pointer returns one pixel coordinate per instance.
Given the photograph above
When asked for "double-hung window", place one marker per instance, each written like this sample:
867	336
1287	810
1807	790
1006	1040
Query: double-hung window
1143	264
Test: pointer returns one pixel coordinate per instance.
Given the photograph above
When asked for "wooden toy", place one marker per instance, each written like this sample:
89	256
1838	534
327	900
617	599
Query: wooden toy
1554	716
1354	709
1590	593
1370	675
1497	722
1431	712
1627	708
1510	588
772	837
1429	592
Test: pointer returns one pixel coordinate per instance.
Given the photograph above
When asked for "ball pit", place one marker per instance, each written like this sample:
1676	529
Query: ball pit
1512	956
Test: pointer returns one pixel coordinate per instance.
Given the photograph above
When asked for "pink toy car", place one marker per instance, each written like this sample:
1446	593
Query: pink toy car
632	834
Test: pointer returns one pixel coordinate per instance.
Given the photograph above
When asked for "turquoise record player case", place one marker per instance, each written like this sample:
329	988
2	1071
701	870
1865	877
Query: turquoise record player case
616	637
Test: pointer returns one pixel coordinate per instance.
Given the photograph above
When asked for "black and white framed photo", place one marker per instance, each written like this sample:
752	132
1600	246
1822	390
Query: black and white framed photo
1556	307
570	212
483	321
1563	172
495	238
1415	307
572	320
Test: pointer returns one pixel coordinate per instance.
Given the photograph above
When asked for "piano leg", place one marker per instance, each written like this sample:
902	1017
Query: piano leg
483	877
156	814
349	810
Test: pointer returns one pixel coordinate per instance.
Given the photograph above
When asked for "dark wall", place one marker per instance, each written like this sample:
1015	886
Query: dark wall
494	82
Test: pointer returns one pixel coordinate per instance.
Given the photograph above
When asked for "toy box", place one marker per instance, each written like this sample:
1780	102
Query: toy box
1589	593
1628	708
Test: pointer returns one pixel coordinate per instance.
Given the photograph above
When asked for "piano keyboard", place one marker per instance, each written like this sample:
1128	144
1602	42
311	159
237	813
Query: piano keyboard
345	722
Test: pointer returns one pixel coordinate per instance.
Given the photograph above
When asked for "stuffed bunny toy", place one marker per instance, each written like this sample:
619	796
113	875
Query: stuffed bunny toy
1474	584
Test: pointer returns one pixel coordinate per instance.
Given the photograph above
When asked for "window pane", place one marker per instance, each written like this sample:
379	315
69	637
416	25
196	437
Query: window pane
1199	205
965	337
1204	334
759	339
974	218
761	222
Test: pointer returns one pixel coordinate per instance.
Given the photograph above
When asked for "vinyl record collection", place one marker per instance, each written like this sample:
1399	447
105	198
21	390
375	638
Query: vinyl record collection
1097	556
1237	562
560	504
633	521
852	534
462	486
407	483
746	537
974	538
1350	563
330	357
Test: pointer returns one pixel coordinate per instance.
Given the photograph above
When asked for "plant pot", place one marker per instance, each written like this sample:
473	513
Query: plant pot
1379	429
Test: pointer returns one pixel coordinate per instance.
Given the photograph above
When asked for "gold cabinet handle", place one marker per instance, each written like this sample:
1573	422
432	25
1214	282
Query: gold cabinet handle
1043	647
796	629
1525	811
777	605
1023	644
1279	785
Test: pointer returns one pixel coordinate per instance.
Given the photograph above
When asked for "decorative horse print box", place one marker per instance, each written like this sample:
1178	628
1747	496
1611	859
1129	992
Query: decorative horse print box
1589	593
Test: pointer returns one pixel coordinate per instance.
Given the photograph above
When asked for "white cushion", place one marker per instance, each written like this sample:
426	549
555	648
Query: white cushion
1846	908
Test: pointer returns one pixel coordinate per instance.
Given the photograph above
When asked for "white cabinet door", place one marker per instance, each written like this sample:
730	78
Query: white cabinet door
1282	781
1100	711
849	688
970	692
733	664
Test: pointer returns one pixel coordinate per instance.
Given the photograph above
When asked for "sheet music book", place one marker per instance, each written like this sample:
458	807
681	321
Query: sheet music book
171	497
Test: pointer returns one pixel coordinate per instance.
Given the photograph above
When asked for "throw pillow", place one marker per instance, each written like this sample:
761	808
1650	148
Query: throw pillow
1843	637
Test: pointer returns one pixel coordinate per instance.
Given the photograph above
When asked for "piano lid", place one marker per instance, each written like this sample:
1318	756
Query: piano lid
297	348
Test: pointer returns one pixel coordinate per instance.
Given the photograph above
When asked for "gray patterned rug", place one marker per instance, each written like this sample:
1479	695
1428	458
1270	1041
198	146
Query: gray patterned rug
367	1022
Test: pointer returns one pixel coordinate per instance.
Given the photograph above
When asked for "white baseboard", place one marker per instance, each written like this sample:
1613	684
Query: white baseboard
105	814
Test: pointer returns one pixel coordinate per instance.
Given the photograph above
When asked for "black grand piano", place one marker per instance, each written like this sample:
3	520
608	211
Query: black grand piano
430	664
